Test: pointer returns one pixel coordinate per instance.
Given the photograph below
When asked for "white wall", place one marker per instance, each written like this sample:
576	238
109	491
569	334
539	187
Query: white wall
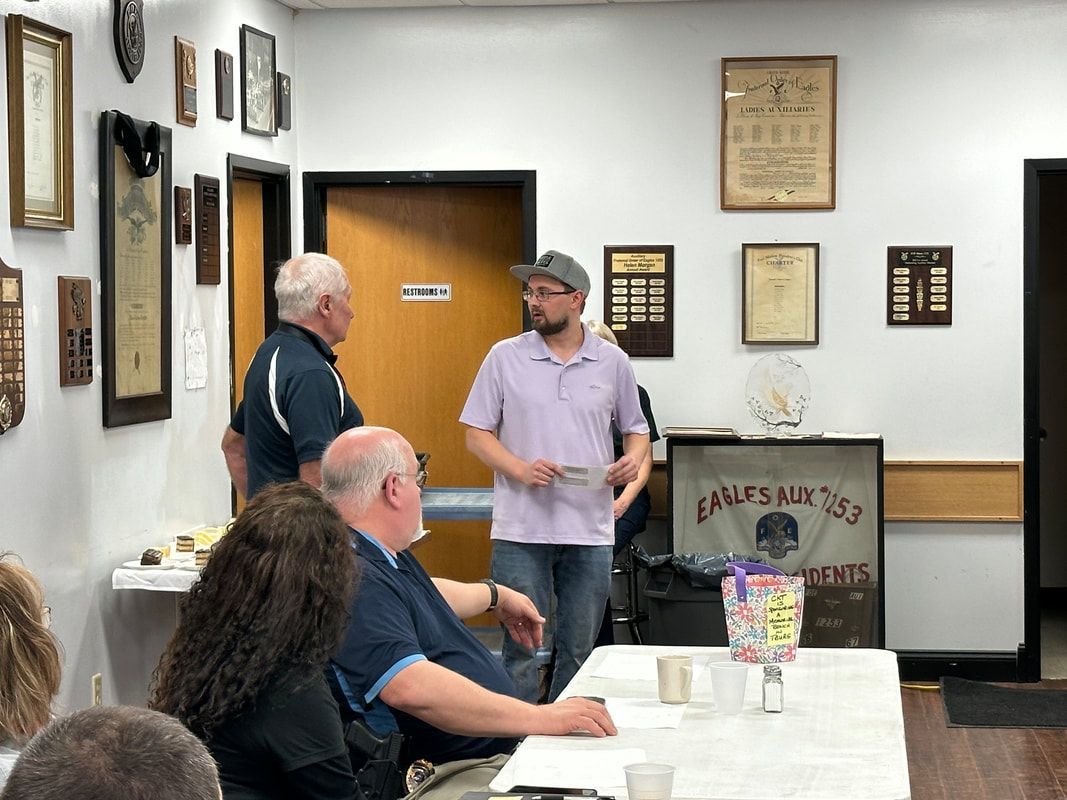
75	498
617	108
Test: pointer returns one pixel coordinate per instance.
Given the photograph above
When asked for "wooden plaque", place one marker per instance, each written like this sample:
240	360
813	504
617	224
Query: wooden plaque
639	298
183	215
223	85
185	80
12	351
919	285
130	41
285	102
208	240
75	331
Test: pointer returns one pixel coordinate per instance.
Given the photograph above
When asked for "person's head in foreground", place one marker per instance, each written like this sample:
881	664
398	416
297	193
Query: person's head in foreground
114	753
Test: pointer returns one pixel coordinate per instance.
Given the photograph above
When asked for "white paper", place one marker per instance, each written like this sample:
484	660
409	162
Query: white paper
195	358
593	769
645	713
577	477
634	667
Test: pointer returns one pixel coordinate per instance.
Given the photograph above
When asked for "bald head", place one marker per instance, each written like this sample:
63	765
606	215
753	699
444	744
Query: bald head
356	465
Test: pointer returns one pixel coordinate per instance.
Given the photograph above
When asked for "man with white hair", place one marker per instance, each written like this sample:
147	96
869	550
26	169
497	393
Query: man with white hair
408	662
295	402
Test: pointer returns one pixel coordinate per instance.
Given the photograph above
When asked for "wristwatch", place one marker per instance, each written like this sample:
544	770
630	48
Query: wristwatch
494	594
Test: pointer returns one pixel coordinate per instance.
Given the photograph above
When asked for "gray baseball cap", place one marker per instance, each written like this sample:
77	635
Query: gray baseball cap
556	265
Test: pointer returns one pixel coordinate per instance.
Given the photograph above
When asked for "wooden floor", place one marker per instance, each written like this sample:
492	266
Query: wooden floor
981	763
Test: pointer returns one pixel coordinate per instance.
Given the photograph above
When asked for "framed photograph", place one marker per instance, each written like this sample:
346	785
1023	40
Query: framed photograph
779	133
780	293
135	247
39	125
185	81
258	93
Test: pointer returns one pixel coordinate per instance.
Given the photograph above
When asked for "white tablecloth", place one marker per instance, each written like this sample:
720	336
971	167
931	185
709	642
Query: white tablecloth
841	736
154	580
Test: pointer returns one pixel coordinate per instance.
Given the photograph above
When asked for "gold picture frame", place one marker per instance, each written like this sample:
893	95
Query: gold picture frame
40	124
778	143
780	293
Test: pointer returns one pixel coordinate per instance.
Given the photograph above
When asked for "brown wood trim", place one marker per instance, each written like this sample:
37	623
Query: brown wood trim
954	491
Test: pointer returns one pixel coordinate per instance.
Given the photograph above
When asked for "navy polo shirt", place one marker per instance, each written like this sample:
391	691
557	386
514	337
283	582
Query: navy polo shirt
294	405
398	618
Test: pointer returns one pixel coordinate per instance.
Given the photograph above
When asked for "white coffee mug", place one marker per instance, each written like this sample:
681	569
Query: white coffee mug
675	678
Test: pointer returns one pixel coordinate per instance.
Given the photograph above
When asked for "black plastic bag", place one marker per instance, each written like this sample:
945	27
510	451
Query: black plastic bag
699	570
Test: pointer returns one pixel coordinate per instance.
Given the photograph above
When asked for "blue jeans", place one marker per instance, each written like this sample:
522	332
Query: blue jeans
580	576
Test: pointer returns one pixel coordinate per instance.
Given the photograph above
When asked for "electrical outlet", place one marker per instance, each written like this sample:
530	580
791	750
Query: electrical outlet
97	689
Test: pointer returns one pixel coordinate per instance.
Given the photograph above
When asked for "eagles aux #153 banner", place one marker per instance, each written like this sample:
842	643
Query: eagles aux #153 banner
811	511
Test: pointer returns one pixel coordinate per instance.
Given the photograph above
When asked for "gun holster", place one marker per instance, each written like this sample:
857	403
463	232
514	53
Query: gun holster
376	761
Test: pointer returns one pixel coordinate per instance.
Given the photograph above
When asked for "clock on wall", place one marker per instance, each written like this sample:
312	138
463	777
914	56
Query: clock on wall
129	37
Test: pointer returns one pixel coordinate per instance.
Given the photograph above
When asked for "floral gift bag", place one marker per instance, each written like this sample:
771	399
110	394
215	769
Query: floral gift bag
764	607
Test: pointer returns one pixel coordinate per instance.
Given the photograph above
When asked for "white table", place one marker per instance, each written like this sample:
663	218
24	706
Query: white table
841	736
154	580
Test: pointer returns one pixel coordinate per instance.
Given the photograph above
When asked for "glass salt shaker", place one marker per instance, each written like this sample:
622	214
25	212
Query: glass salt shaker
772	688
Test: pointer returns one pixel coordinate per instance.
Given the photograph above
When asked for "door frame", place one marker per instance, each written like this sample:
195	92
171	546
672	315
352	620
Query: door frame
1034	169
316	183
277	236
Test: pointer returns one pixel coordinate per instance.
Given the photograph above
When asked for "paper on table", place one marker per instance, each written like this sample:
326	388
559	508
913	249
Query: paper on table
582	477
633	667
646	713
594	769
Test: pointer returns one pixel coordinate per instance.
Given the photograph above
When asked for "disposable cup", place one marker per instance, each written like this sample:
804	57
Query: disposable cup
645	781
728	685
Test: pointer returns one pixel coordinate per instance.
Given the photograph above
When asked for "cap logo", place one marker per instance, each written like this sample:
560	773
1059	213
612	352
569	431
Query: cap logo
544	260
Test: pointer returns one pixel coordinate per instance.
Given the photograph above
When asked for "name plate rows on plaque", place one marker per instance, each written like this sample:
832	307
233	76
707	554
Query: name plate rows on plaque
639	298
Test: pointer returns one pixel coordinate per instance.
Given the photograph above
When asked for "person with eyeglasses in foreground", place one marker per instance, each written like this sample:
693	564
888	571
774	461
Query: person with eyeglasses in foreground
408	662
541	400
29	661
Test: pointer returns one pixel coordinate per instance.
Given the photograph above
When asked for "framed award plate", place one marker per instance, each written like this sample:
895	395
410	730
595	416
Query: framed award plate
639	301
185	80
40	125
285	102
919	285
75	331
778	140
183	215
258	76
780	293
12	350
130	37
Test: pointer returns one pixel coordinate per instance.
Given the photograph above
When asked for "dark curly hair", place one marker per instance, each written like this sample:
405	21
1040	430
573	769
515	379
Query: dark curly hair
270	606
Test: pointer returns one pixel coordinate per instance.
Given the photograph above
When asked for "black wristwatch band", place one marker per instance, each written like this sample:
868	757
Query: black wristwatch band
494	594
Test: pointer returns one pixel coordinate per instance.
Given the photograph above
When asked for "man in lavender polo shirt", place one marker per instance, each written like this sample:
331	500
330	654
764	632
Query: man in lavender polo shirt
541	400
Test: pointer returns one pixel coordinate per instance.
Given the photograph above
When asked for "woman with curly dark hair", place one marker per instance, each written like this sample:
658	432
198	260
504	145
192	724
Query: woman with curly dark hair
244	668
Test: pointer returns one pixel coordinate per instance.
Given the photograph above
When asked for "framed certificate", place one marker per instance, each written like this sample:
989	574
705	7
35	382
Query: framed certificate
135	235
780	293
779	131
39	124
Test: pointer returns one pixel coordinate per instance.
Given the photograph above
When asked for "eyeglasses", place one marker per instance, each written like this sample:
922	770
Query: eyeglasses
420	477
543	296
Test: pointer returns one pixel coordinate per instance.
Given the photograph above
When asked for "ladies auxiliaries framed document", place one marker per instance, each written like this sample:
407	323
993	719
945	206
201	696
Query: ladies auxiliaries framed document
40	124
780	293
778	141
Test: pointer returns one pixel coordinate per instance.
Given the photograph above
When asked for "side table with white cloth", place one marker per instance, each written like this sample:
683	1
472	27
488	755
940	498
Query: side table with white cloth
840	737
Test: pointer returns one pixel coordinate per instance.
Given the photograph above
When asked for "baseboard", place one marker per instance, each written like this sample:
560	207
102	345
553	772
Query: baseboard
925	665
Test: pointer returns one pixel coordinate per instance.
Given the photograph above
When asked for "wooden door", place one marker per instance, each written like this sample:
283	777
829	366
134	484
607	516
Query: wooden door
248	258
409	365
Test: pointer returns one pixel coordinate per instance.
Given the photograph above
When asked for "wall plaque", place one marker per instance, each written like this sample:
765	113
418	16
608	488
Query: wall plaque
208	242
223	85
285	102
130	37
919	285
185	80
75	331
639	297
183	215
12	353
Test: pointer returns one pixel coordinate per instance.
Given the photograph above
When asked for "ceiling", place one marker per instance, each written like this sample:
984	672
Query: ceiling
319	5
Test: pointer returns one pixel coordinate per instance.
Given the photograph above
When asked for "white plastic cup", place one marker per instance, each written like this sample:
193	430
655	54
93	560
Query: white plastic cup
728	680
646	781
675	678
